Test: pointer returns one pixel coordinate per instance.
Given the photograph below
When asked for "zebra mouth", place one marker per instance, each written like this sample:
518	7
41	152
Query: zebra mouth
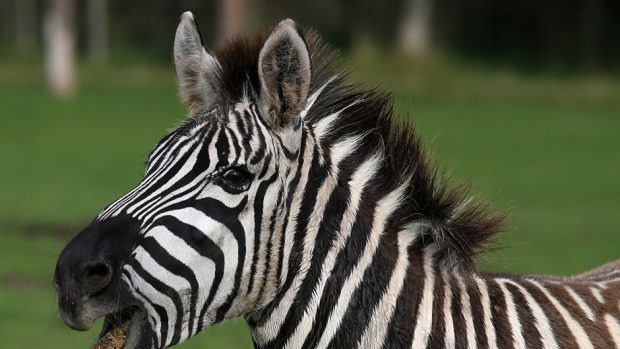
124	329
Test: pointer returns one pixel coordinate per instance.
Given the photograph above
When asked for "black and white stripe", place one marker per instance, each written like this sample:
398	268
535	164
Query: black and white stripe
343	235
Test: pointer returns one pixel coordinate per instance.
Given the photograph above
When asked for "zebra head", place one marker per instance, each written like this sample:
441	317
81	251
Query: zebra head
191	244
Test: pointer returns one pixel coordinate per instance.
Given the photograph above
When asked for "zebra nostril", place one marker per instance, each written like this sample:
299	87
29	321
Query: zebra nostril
96	276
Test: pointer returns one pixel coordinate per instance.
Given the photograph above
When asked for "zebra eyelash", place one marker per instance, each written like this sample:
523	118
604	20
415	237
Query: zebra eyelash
233	188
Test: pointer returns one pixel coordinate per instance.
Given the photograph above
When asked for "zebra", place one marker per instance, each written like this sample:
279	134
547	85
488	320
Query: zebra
297	200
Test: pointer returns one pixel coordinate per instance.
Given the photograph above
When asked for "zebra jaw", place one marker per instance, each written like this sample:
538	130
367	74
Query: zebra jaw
123	330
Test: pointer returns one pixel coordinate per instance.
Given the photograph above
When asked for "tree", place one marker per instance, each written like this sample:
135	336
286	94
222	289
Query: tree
60	47
25	25
97	21
415	30
233	17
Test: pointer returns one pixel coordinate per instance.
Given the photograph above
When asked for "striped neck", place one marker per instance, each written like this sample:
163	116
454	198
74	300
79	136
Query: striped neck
350	275
402	297
350	296
335	246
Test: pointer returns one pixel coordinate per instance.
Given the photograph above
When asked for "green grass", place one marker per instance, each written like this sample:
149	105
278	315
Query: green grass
543	149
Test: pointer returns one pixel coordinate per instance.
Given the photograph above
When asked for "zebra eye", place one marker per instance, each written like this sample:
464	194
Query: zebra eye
235	179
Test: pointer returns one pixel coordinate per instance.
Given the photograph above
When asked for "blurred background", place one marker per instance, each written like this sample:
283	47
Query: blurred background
521	99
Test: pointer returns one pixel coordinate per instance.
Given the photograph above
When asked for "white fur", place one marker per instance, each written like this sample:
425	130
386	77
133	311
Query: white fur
513	317
585	307
467	313
489	329
597	295
374	334
425	309
542	322
613	325
577	331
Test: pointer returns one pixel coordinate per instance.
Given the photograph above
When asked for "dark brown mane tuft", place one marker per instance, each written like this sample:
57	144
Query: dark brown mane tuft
458	225
239	60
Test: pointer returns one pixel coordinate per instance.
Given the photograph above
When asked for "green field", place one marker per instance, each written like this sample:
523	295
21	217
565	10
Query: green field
543	149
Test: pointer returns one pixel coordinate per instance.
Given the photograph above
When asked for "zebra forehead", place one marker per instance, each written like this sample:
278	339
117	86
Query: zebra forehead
239	132
209	121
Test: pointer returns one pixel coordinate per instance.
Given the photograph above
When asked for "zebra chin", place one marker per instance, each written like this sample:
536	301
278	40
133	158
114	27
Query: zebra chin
125	329
125	322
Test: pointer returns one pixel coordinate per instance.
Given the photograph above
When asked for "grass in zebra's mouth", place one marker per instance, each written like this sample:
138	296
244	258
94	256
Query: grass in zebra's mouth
115	338
121	330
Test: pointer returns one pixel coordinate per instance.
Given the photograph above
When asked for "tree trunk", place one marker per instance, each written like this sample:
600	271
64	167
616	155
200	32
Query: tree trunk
415	30
60	47
25	26
233	15
97	16
591	13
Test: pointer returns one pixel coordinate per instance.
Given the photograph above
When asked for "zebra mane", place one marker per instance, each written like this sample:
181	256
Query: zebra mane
456	223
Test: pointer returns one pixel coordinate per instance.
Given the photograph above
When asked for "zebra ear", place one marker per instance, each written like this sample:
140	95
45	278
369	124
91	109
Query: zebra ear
196	69
284	71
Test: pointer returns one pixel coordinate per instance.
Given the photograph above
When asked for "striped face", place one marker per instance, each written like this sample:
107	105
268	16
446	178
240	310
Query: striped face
197	240
206	208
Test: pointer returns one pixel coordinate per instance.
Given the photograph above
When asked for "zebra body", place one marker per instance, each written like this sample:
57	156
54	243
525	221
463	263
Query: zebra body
295	200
